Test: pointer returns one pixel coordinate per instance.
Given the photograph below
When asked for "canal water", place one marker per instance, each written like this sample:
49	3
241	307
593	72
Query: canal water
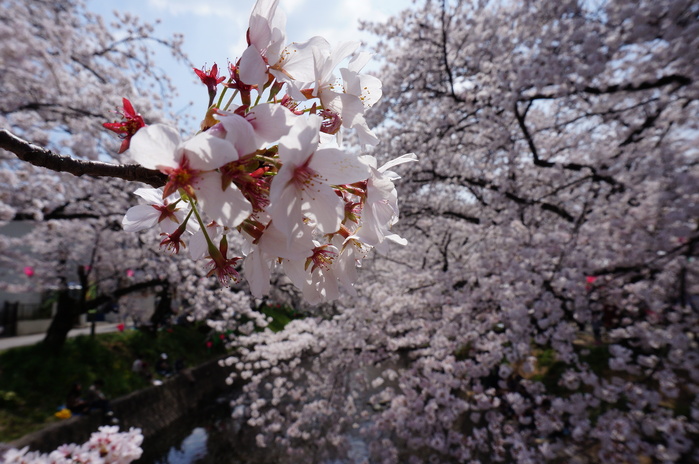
213	436
209	436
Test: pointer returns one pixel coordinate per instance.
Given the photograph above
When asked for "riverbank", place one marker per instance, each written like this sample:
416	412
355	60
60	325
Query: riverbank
151	409
35	382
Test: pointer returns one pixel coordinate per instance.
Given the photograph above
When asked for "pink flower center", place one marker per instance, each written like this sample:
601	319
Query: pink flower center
181	177
305	178
322	258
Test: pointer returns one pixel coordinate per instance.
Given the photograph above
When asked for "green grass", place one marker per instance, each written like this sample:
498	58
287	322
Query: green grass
34	382
281	316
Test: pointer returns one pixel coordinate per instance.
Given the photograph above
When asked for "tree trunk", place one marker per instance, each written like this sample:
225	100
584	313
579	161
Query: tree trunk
163	309
69	309
63	321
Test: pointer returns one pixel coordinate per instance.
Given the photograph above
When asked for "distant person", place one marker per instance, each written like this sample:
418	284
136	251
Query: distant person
163	366
141	368
137	366
75	401
96	399
181	368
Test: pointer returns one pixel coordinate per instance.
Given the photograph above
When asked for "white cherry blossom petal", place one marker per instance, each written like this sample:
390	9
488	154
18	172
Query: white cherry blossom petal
151	195
156	146
338	167
140	217
296	61
198	246
206	152
407	158
358	61
270	122
325	207
367	88
228	208
253	69
240	133
258	271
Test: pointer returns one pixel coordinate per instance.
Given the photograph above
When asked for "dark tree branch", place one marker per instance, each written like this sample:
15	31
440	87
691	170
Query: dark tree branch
521	121
636	134
484	184
445	56
68	216
36	106
678	80
528	137
90	69
650	266
681	81
107	298
39	156
432	211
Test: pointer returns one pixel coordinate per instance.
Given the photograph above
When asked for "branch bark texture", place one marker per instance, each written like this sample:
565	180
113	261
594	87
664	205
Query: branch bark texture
42	157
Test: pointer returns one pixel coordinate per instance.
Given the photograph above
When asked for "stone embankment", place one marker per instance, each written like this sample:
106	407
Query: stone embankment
150	409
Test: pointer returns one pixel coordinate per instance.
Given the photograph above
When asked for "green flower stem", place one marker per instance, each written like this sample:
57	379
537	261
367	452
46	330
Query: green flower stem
230	100
267	159
223	92
213	251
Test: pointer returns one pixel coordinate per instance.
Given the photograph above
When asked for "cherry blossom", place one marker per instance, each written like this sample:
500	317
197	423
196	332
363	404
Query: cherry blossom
261	168
126	129
303	185
266	36
167	212
106	446
190	166
380	207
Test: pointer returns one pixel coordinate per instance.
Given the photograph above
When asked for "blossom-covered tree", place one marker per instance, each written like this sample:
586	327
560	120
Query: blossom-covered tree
544	308
61	68
65	69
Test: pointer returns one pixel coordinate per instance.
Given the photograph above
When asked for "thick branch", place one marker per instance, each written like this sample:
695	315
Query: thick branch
676	79
452	214
102	299
680	80
42	157
445	55
651	266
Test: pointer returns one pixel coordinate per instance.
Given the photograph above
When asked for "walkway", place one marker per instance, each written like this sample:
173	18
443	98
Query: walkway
23	340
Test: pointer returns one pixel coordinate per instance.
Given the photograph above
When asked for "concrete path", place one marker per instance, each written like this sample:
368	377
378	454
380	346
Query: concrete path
23	340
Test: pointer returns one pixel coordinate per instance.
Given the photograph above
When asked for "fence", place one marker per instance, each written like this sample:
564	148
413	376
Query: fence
12	312
8	319
33	311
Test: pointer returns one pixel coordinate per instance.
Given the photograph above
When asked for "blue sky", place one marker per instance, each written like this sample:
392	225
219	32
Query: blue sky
214	30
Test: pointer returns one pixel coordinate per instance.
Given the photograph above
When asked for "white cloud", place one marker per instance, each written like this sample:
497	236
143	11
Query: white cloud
292	5
338	23
204	8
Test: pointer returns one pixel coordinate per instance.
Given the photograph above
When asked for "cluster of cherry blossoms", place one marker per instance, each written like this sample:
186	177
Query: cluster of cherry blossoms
106	446
272	168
